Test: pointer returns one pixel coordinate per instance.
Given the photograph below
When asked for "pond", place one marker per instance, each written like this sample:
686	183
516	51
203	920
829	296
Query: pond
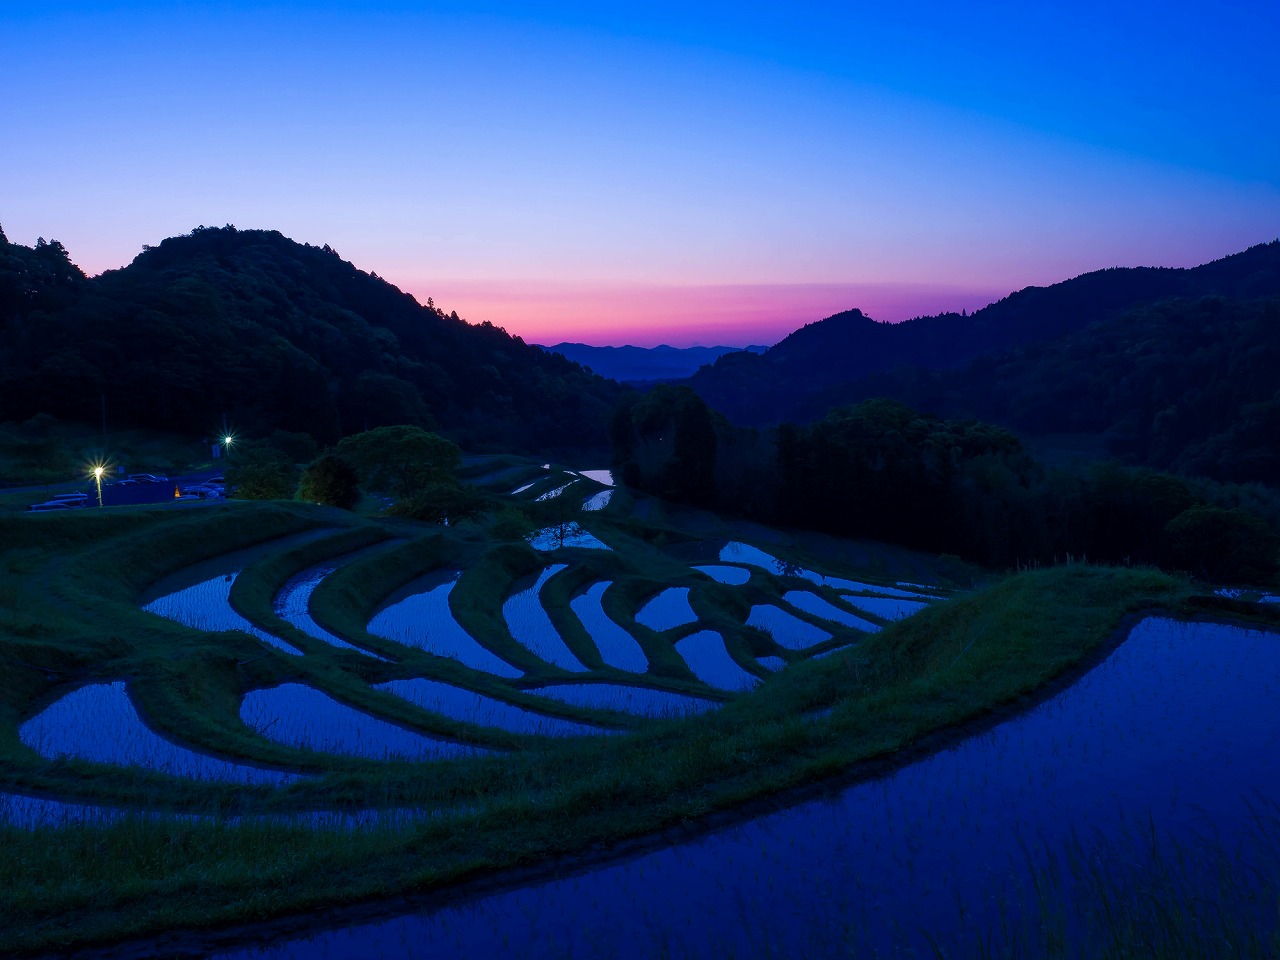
418	615
617	647
1167	743
301	716
643	701
532	628
99	723
472	707
711	663
668	609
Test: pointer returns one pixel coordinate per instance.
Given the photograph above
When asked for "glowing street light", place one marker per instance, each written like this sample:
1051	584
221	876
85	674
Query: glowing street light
98	470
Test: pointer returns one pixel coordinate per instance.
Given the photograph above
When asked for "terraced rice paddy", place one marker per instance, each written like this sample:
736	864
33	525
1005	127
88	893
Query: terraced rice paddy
786	629
300	716
472	707
641	701
707	657
532	628
418	615
617	647
669	609
490	653
1136	789
98	723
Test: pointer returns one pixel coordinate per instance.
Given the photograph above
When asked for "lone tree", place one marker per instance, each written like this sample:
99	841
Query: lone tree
403	460
332	481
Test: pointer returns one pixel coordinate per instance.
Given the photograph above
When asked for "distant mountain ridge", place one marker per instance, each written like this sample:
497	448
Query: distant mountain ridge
631	364
784	382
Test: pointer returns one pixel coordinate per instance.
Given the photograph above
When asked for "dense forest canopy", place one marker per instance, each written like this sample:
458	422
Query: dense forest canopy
784	382
272	334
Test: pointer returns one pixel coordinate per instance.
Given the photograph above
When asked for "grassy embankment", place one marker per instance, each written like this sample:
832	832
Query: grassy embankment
69	616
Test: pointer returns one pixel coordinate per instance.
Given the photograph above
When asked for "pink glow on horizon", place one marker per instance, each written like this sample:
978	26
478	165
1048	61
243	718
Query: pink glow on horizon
605	314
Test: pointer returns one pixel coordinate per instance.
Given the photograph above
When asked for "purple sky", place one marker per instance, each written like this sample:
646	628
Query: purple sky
695	173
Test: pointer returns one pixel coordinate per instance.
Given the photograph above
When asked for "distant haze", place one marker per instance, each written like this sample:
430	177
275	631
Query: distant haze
647	315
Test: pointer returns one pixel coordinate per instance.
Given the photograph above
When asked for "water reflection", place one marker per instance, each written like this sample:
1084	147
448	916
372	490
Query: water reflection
532	628
301	716
617	647
1167	741
98	723
711	663
418	615
668	609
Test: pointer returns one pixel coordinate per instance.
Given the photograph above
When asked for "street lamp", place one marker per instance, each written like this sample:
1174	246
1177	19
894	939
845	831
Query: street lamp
97	478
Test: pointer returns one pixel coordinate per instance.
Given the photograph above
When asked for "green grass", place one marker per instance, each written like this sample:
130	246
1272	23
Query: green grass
69	585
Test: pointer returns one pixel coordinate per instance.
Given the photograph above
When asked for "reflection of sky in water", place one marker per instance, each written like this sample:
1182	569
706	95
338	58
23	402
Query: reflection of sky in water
533	629
293	603
734	576
472	707
642	701
597	502
568	535
98	723
668	609
710	662
812	603
552	494
1164	739
599	476
617	647
839	583
788	631
301	716
885	607
418	615
207	606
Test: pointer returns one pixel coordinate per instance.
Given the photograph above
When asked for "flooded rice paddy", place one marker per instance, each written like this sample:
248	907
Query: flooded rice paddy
1148	766
668	609
566	535
206	605
471	707
99	723
886	608
707	657
418	615
598	501
733	576
617	647
814	604
787	630
532	628
641	701
300	716
292	603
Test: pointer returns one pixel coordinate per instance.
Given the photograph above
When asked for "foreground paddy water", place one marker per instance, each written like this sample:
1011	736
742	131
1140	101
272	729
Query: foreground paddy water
1169	742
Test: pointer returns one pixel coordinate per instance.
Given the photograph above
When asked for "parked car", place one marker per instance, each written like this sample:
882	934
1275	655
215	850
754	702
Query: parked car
49	505
146	478
71	499
204	491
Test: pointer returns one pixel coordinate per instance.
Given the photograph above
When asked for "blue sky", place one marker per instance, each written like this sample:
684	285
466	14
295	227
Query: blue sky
677	172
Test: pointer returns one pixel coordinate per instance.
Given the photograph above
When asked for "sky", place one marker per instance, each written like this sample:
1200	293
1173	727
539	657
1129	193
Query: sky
673	172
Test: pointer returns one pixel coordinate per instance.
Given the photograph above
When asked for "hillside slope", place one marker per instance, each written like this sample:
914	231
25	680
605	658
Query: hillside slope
783	383
271	333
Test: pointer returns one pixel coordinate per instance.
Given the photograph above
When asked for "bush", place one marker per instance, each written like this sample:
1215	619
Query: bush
332	481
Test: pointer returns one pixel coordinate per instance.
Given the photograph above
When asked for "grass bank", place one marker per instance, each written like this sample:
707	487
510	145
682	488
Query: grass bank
898	691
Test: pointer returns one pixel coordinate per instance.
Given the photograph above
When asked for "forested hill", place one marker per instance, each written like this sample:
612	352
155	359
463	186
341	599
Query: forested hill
273	334
1191	386
781	384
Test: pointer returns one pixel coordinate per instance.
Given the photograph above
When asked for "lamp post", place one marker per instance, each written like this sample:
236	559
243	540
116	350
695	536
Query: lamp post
97	478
